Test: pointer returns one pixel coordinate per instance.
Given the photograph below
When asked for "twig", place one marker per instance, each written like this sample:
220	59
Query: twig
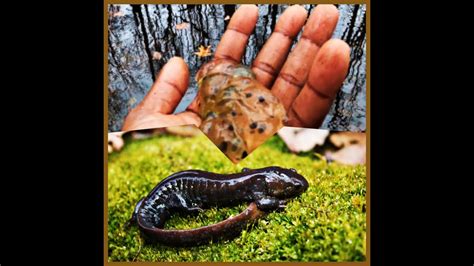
139	249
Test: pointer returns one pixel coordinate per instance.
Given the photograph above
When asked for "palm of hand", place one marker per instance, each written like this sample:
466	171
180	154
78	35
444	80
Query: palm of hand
305	80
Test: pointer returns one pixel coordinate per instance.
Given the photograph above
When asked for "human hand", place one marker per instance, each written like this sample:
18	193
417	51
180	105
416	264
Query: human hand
156	109
305	80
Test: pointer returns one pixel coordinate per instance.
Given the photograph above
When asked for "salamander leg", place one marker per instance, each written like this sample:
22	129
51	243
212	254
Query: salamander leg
179	203
281	205
193	210
268	203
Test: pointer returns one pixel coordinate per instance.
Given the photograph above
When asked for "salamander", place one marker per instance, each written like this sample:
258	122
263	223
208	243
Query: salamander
191	191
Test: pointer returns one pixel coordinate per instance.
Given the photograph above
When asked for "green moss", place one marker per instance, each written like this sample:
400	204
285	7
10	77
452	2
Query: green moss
326	223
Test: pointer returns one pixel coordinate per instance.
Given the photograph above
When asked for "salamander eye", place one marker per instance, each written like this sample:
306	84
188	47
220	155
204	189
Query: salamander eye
293	170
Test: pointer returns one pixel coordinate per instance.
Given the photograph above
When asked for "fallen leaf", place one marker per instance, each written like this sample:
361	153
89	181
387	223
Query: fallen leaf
115	141
203	51
351	155
302	139
118	14
157	55
182	26
226	18
343	139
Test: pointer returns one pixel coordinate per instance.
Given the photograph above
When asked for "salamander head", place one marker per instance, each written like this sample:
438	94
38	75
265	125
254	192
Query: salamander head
284	183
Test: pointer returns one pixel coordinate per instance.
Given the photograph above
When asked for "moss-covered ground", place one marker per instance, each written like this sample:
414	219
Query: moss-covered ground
326	223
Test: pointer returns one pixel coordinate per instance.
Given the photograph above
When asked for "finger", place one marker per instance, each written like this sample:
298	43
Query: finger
293	75
234	40
169	87
194	105
188	118
326	77
270	59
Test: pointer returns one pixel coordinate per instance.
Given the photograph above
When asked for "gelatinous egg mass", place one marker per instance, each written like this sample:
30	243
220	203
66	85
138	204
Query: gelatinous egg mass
238	113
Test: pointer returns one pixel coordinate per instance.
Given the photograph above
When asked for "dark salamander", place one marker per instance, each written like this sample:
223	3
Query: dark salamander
192	191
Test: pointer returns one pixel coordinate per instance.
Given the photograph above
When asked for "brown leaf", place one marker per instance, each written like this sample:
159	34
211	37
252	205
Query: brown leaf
115	141
203	51
343	139
182	26
118	14
302	139
350	155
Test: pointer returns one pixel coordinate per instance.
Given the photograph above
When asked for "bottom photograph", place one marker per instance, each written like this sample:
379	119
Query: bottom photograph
174	196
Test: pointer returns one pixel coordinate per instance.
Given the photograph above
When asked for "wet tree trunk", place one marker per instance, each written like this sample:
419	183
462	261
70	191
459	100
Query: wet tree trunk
137	33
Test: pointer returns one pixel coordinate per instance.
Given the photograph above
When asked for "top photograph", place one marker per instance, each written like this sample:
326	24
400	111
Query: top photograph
236	67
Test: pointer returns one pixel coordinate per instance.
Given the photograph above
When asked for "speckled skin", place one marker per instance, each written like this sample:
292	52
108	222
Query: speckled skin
238	113
193	190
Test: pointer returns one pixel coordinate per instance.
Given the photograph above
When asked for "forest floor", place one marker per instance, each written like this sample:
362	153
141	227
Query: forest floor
326	223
